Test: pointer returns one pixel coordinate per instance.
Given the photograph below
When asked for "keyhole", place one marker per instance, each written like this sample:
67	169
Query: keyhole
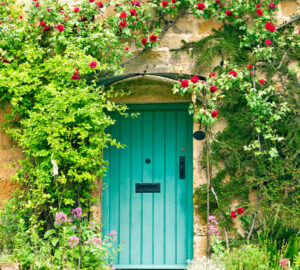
147	160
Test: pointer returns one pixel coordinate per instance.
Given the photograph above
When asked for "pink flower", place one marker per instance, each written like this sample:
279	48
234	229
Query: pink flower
185	83
214	113
272	5
164	3
73	241
123	15
201	6
268	42
213	89
60	218
76	9
144	41
233	73
60	28
99	4
233	214
77	212
194	79
261	81
240	210
93	64
229	13
284	263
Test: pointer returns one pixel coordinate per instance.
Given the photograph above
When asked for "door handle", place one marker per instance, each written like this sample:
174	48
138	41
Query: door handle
182	167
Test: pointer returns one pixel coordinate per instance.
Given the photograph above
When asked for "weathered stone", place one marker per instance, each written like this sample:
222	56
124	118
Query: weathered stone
10	266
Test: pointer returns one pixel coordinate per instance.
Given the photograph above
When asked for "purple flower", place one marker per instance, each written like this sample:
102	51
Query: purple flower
73	241
60	218
77	212
113	234
92	224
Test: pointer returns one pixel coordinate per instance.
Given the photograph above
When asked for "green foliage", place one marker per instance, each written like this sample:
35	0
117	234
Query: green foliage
247	257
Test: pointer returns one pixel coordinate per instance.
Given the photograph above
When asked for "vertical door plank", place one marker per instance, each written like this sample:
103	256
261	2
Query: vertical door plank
170	189
181	147
124	192
136	198
158	176
147	198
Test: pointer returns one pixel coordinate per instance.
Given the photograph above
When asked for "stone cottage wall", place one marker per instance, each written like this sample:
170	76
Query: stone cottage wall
160	59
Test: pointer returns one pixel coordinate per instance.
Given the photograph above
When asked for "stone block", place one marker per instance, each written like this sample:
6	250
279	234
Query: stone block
10	266
289	8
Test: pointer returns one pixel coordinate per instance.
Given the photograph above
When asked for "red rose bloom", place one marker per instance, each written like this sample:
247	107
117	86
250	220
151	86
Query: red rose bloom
250	67
126	49
233	214
46	28
185	83
240	211
123	23
272	5
258	6
132	12
99	4
153	38
75	77
60	28
93	64
229	13
251	72
42	23
232	73
194	79
164	3
135	3
37	4
91	1
48	9
269	26
213	89
214	113
76	9
268	42
262	81
123	15
144	41
174	1
218	1
201	6
259	12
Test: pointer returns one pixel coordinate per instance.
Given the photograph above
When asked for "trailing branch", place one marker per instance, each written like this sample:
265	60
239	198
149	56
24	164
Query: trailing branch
160	37
287	23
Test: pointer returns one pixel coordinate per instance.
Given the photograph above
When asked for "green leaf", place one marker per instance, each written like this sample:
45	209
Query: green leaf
48	233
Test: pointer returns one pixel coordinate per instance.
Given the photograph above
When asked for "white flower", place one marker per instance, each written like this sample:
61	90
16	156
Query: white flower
55	167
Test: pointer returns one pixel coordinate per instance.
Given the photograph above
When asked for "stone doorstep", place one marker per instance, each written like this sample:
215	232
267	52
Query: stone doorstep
9	266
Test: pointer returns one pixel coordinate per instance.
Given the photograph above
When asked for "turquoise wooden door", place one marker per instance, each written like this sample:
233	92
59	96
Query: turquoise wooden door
156	227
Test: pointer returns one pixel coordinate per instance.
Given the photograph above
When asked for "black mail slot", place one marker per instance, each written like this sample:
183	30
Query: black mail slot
147	188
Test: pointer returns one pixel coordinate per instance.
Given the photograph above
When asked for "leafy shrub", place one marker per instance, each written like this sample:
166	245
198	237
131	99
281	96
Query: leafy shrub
74	241
247	257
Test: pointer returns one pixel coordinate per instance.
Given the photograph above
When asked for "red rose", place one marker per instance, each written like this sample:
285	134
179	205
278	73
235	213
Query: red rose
214	113
123	23
75	77
132	12
272	5
164	3
194	79
201	6
91	1
259	12
174	1
48	9
37	4
258	6
126	49
135	3
99	4
134	22
213	89
144	41
229	13
240	211
42	23
262	81
76	9
93	64
153	38
123	15
250	67
251	72
212	75
233	214
185	83
47	28
60	28
232	73
269	26
268	42
218	1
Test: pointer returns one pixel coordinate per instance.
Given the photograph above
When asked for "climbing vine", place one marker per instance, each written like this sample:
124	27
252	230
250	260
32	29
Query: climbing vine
53	55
